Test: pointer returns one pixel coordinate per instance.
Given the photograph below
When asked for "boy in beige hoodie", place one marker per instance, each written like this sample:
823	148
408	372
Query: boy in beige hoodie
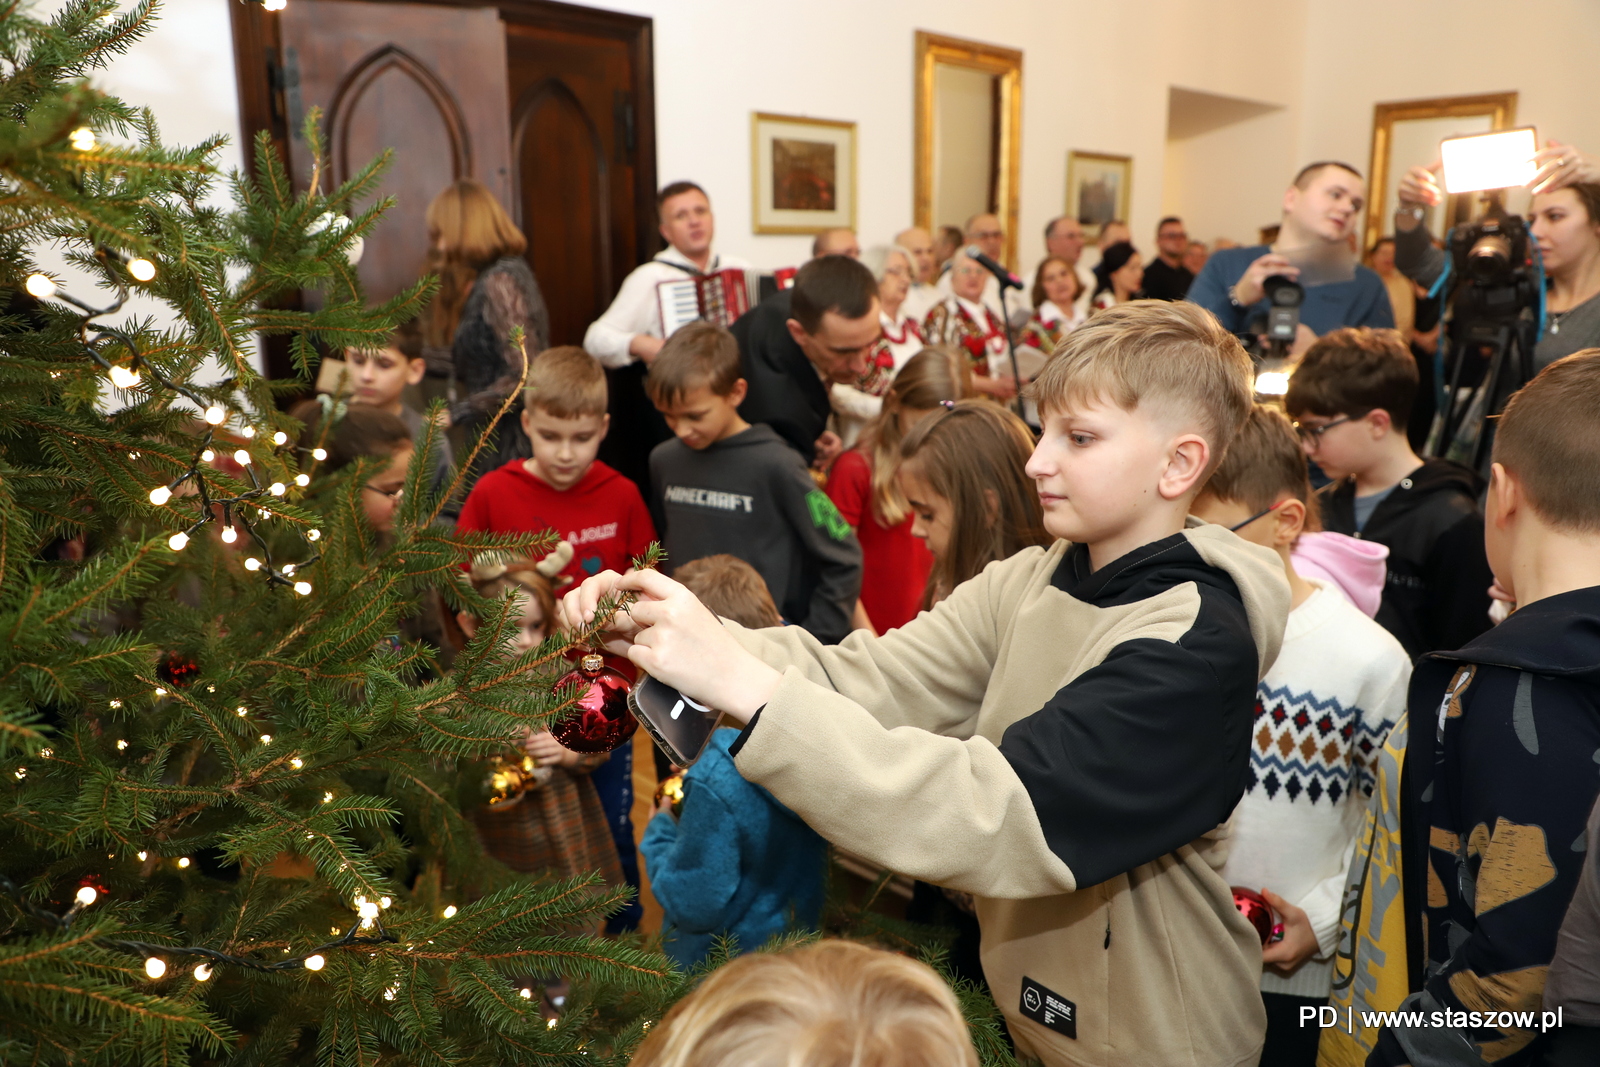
1059	734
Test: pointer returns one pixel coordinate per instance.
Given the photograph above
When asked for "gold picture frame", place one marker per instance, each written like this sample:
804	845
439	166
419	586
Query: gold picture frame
802	174
1005	66
1086	171
1500	110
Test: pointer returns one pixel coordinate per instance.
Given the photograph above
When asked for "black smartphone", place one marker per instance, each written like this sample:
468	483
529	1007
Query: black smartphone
679	725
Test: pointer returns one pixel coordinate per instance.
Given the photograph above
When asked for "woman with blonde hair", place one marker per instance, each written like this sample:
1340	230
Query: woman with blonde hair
832	1004
862	485
963	474
485	289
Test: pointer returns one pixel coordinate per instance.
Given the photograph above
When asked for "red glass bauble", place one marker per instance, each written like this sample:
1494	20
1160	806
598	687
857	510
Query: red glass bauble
601	720
1254	906
176	669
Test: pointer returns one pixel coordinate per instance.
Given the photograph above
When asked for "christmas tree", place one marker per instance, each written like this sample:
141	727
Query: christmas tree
233	827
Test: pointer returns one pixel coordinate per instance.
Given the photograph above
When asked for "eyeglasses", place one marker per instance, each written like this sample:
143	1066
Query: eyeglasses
1311	434
392	494
987	235
1265	511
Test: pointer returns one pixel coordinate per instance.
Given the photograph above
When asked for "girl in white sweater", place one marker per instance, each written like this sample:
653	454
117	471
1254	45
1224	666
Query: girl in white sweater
1322	713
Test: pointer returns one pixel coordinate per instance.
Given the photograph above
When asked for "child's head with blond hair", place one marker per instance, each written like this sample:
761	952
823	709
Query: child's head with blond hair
564	414
530	584
1139	406
831	1004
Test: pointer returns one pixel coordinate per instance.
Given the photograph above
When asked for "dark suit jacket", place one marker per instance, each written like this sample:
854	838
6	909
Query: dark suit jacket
785	391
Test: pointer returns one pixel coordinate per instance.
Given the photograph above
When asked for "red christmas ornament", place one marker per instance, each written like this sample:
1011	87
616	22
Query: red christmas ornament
602	720
1254	906
177	670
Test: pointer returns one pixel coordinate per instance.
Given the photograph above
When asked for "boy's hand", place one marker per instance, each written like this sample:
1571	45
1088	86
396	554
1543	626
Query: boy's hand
681	643
1299	942
828	447
664	805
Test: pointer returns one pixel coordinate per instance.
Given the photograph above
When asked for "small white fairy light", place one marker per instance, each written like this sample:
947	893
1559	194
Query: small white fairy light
450	911
142	269
302	480
208	455
297	763
280	438
40	286
155	966
241	711
274	5
319	454
116	703
277	488
229	535
87	895
242	458
142	856
247	432
46	753
160	495
252	564
202	972
178	541
315	963
366	909
216	414
82	139
266	739
384	902
288	570
525	993
21	773
303	588
122	746
183	862
313	535
392	991
123	378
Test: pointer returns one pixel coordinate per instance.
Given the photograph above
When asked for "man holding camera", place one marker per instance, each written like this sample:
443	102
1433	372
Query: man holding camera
1320	210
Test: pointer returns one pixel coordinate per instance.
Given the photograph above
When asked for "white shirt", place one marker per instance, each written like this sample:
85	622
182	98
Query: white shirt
636	308
919	300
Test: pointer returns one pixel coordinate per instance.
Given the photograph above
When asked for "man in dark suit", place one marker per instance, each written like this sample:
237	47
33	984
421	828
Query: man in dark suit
796	343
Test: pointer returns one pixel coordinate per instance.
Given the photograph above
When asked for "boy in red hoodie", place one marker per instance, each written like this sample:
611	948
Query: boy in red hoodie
595	509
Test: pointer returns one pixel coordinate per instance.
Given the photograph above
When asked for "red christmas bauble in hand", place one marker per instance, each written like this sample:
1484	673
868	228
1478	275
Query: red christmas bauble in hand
601	720
1254	906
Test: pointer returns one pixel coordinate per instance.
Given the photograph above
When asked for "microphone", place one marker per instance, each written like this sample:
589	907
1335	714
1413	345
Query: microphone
1006	279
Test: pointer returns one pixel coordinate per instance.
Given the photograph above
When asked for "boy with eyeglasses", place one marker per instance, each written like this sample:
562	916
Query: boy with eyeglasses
1350	398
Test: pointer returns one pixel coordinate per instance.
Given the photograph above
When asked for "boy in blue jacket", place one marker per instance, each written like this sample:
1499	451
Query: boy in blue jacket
737	862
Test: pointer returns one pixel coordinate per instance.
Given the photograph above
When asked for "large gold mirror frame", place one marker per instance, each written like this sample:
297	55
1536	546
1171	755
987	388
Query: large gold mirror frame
1005	67
1480	114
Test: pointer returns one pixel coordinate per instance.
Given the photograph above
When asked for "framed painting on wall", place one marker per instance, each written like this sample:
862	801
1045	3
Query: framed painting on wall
803	174
1099	189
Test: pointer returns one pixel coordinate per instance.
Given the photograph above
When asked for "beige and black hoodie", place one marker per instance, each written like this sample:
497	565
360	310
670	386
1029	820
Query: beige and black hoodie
1056	742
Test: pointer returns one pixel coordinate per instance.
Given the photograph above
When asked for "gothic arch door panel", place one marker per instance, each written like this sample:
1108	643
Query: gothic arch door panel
580	134
428	82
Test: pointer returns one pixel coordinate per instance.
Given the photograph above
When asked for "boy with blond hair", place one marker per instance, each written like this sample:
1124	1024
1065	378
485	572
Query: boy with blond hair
722	485
563	487
1062	733
1322	714
1500	768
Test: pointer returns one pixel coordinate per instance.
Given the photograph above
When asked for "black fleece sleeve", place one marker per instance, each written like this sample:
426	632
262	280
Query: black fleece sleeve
1458	578
1415	256
1145	752
830	550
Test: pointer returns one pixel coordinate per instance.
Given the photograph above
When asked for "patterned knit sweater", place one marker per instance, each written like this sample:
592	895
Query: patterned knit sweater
1322	713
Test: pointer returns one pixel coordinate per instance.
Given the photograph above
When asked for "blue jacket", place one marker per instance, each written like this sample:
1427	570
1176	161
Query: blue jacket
737	862
1362	301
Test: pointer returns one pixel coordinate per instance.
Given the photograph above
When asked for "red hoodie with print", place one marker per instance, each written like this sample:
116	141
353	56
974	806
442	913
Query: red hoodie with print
603	516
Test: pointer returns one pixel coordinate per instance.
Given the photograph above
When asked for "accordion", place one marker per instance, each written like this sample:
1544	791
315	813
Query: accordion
718	298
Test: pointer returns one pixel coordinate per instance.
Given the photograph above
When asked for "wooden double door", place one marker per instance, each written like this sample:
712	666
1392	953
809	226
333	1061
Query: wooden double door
549	105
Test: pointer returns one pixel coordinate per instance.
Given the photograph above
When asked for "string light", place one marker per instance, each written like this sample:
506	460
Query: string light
274	5
178	541
242	458
207	456
216	414
160	692
252	564
313	535
202	972
288	569
303	588
302	480
116	703
450	911
122	746
248	432
277	488
160	495
123	378
183	862
40	286
315	962
229	535
241	711
142	269
525	993
388	994
319	454
327	797
550	1024
280	438
82	139
297	763
384	902
142	856
21	773
155	966
266	739
366	909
